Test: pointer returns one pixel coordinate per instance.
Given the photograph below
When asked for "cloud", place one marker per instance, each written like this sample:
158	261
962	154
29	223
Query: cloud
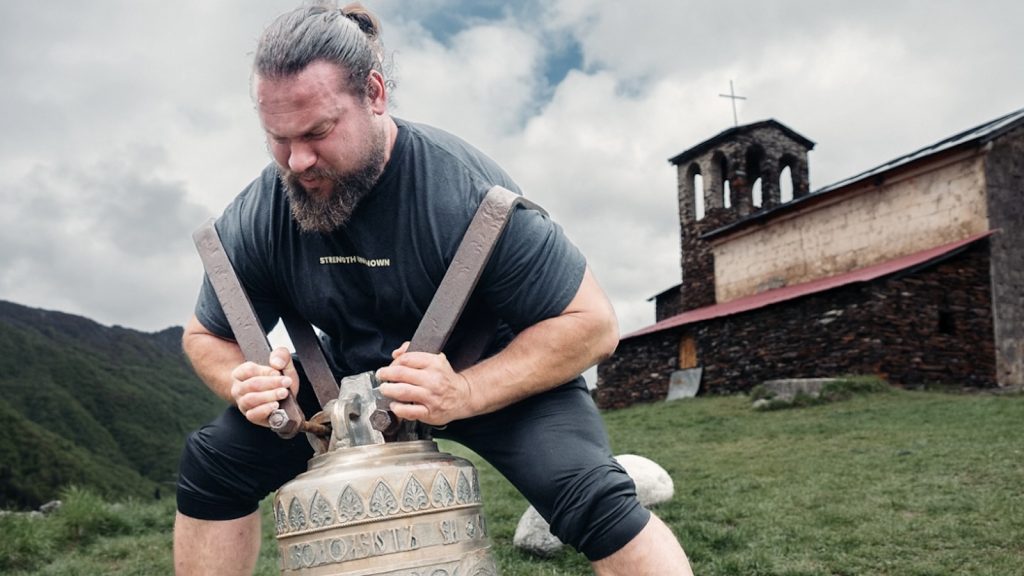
480	84
102	240
124	133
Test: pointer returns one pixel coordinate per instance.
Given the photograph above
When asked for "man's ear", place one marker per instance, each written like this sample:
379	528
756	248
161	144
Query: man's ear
376	92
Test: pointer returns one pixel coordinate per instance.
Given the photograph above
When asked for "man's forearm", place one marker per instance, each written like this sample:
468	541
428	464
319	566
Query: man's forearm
548	353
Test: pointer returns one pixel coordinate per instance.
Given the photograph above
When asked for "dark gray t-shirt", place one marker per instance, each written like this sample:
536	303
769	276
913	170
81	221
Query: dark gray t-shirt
367	286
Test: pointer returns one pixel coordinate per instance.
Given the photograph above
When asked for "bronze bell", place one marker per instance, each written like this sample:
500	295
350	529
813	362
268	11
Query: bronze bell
368	507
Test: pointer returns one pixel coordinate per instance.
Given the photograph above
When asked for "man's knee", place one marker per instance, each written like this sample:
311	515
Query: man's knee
598	512
207	487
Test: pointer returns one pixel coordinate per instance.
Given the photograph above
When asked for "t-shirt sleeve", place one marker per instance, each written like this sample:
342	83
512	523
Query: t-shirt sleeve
534	272
209	311
245	244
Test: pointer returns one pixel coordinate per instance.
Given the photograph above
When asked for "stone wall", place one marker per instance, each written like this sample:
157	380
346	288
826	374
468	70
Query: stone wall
944	204
916	328
698	262
668	304
1004	172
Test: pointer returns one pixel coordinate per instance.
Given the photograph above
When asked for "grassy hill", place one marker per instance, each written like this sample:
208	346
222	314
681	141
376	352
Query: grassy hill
101	407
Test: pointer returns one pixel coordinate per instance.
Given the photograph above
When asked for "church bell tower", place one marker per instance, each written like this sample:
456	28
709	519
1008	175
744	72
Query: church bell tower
736	176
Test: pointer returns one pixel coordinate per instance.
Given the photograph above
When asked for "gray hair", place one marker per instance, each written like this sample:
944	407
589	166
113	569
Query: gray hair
348	37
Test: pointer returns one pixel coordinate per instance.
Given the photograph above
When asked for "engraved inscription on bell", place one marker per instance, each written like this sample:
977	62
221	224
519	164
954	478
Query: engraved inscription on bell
371	541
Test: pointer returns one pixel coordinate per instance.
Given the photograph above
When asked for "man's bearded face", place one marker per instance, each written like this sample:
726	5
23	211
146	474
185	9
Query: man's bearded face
331	206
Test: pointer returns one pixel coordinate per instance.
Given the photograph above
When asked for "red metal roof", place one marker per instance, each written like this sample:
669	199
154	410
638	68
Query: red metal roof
763	299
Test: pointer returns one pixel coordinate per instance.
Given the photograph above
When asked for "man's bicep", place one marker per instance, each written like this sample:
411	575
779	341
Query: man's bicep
197	336
195	327
590	298
535	271
590	321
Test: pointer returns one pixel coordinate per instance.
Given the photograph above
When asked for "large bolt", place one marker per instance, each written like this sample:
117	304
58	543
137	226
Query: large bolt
281	423
380	420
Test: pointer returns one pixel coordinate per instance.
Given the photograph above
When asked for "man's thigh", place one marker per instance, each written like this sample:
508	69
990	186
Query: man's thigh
554	449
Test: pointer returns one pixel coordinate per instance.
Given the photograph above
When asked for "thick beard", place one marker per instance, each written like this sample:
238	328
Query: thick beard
328	211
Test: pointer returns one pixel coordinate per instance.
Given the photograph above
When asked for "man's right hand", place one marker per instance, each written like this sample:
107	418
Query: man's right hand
257	389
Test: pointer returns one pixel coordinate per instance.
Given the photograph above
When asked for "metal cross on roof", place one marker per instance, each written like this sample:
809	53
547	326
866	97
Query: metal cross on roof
732	96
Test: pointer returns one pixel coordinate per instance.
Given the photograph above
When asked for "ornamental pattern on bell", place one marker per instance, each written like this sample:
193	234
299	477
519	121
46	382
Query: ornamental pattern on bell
350	505
320	513
280	519
442	492
383	501
296	515
414	497
463	489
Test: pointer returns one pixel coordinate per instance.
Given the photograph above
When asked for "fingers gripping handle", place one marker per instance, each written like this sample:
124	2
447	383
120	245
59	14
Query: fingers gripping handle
287	420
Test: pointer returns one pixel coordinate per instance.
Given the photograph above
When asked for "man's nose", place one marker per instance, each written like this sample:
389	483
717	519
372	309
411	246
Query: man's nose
301	157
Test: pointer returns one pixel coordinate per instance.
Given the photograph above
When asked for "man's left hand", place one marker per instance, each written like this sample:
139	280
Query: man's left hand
425	387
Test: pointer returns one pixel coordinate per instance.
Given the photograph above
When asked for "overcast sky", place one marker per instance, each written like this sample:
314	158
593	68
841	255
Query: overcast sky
125	125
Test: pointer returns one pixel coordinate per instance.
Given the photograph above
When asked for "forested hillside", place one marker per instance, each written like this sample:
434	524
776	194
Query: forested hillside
91	405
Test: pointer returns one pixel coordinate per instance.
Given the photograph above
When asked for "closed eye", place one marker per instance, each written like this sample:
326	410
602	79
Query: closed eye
320	133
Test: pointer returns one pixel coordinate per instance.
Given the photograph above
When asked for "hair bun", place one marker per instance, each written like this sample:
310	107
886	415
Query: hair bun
363	18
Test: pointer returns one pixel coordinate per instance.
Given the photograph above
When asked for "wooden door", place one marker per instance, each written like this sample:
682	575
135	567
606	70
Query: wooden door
687	352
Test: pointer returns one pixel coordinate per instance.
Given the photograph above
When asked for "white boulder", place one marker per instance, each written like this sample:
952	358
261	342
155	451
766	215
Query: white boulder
653	484
533	535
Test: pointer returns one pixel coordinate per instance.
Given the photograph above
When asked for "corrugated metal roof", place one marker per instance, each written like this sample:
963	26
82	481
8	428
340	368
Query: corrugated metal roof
979	134
783	294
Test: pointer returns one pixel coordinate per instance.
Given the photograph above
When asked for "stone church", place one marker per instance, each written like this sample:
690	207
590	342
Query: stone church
912	271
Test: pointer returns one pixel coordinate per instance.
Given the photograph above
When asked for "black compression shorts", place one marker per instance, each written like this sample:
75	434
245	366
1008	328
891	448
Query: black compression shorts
552	447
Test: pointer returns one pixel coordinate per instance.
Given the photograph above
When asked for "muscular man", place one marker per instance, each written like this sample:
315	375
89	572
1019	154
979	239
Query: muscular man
353	226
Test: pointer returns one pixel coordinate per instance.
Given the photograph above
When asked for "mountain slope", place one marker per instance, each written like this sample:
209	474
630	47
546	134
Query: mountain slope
86	404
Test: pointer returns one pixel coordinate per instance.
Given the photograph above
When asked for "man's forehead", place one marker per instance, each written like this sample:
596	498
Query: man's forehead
319	77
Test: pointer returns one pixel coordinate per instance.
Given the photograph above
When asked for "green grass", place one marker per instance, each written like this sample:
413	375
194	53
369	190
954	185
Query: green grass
89	536
900	483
